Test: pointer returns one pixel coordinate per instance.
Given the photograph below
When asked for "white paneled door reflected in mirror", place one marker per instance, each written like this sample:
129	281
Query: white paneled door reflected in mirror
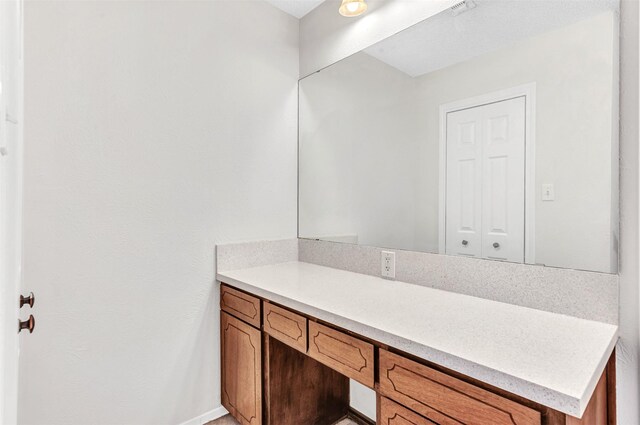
490	133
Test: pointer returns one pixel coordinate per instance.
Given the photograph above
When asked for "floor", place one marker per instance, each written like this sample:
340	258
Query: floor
228	420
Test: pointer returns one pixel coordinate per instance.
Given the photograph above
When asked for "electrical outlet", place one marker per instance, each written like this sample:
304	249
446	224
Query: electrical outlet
388	264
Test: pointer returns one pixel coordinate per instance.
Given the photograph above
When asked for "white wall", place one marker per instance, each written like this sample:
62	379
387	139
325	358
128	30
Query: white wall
628	348
153	131
358	162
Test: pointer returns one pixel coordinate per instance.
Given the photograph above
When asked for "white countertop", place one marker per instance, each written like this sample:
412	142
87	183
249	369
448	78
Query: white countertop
552	359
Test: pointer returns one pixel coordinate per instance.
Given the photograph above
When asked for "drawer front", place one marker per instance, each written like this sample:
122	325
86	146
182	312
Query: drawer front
341	352
447	400
393	414
285	326
243	306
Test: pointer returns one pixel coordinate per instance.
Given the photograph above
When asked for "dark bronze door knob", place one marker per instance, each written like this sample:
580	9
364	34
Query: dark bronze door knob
29	324
31	299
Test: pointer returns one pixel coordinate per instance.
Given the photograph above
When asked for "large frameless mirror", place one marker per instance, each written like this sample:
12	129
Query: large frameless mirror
489	130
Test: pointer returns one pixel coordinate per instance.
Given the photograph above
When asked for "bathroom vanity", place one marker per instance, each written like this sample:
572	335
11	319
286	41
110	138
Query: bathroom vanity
473	157
293	333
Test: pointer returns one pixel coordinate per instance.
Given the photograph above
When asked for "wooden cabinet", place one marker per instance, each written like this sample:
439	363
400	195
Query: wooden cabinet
393	414
348	355
241	305
241	370
285	326
447	400
281	368
597	411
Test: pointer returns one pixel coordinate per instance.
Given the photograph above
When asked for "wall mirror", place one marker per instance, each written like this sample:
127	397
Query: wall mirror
489	130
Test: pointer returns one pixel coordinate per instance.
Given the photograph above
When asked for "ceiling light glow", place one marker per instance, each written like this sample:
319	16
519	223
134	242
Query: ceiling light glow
351	8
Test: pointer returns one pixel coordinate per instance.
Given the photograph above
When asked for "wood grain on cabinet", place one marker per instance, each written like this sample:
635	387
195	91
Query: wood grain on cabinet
243	306
299	390
392	413
241	355
612	411
596	412
285	326
447	400
268	379
346	354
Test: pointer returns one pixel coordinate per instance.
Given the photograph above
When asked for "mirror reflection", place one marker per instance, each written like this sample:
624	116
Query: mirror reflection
489	131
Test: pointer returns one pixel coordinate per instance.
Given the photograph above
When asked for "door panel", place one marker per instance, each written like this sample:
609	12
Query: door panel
503	180
11	160
485	187
463	218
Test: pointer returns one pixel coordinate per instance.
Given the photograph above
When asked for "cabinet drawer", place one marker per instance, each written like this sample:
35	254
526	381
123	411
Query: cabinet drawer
393	414
447	400
341	352
243	306
285	326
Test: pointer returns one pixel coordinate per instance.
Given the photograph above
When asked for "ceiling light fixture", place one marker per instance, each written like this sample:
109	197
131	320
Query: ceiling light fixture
351	8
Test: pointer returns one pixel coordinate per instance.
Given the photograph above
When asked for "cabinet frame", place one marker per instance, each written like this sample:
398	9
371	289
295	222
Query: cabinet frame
603	398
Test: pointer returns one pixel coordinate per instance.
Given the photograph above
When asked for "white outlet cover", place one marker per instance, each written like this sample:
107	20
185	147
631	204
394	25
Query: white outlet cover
388	264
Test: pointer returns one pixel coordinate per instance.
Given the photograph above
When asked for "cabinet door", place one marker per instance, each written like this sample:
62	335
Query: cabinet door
241	370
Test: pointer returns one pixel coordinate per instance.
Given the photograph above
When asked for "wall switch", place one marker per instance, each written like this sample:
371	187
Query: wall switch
388	264
548	194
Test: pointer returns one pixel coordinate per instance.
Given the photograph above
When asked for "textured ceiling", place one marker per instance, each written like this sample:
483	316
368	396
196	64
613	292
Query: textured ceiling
444	40
297	8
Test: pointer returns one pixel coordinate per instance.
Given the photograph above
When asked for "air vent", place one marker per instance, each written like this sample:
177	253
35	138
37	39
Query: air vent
462	7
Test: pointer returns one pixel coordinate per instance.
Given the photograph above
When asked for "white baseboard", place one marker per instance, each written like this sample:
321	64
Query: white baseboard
216	413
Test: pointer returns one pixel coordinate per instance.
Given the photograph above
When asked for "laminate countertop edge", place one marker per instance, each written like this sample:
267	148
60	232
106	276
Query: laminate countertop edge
321	291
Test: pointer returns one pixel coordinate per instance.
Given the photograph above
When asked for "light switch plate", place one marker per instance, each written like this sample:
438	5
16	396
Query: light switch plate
548	193
388	264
